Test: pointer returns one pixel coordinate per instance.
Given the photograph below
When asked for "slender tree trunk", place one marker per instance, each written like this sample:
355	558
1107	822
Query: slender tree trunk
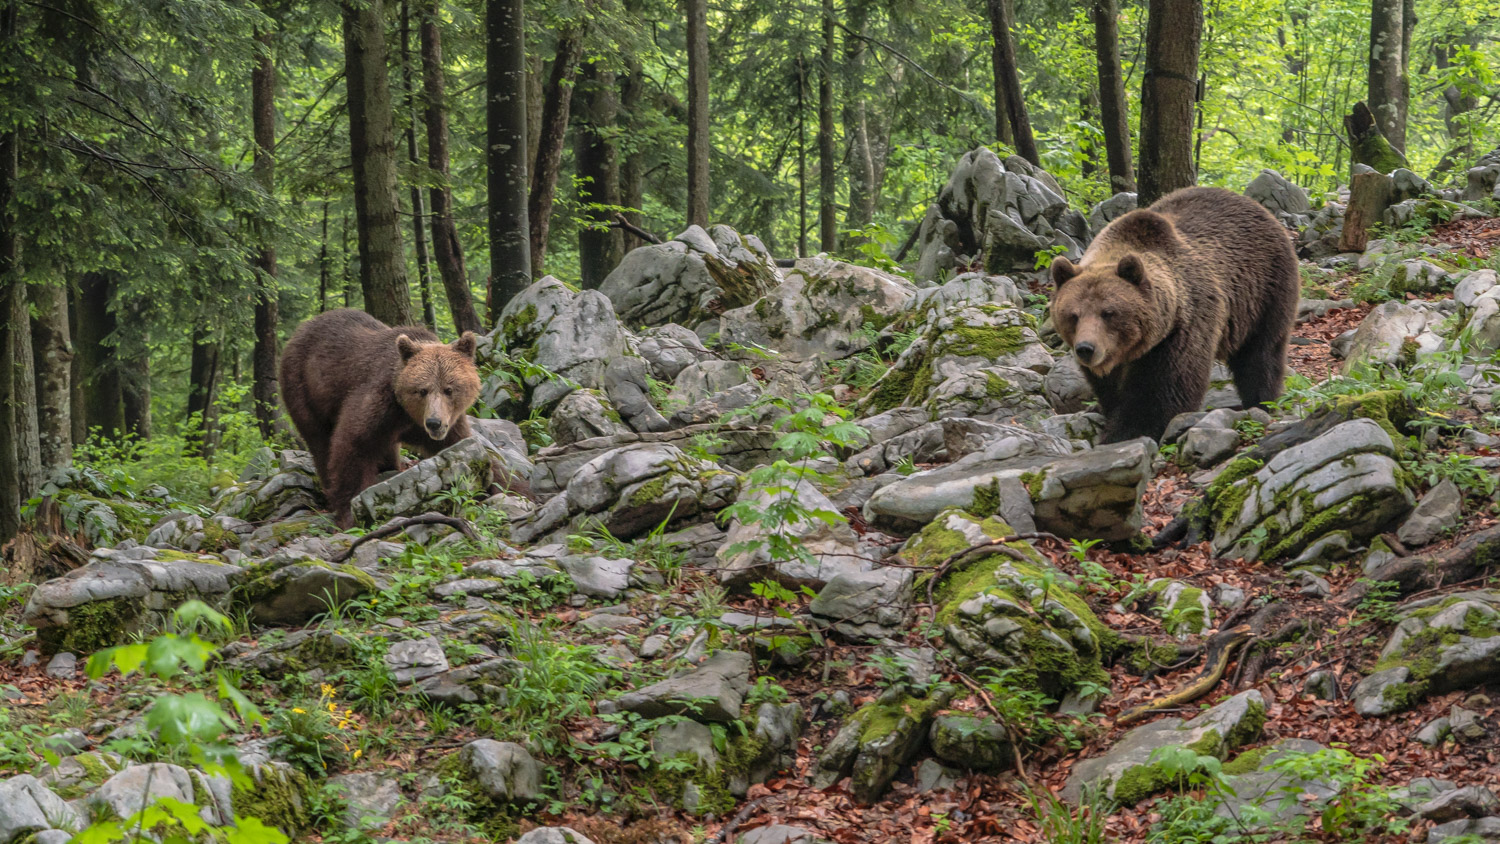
1390	41
76	374
264	391
828	227
633	165
418	212
52	351
801	157
505	136
1114	114
862	185
203	376
1088	110
599	249
135	377
324	263
348	265
98	374
20	452
700	139
372	148
1008	79
445	243
549	151
536	75
1169	93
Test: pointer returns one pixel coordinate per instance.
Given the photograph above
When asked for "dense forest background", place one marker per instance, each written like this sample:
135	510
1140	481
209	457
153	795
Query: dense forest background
184	181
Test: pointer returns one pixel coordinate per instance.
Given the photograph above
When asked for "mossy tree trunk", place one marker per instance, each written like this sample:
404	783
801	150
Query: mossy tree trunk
556	107
264	390
445	243
699	141
1008	80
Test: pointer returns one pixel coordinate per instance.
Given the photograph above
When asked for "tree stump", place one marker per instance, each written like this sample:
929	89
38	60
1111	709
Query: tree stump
1369	196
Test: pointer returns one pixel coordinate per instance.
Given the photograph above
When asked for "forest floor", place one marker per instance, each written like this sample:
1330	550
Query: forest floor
1000	807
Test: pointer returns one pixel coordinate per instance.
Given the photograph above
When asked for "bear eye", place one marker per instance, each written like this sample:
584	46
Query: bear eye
422	393
1108	313
448	392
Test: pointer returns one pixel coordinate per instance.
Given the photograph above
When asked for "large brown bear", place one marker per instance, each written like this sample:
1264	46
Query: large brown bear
357	389
1202	274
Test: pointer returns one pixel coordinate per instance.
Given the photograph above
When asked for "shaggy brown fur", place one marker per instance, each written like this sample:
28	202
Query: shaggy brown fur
1163	291
357	390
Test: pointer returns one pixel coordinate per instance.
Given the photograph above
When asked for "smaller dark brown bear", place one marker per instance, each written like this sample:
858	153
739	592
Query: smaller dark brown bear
357	389
1162	292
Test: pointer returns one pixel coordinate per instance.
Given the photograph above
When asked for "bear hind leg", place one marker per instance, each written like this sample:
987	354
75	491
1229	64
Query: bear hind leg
1259	367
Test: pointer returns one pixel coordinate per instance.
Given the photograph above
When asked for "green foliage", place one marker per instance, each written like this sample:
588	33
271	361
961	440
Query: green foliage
1063	824
191	724
771	499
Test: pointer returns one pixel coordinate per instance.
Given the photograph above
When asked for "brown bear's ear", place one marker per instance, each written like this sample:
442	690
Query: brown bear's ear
1132	270
406	347
465	345
1062	271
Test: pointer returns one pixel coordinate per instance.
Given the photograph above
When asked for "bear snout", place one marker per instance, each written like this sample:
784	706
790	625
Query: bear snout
436	427
1084	351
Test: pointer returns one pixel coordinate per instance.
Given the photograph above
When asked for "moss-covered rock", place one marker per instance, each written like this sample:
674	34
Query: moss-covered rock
1130	771
1440	644
1346	480
1008	608
875	742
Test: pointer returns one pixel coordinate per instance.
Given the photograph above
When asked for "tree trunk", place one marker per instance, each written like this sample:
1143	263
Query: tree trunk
698	140
203	376
98	372
556	109
536	72
828	228
801	158
445	243
325	264
135	377
20	453
1367	145
600	247
862	186
52	351
633	167
1008	79
1169	93
418	212
264	391
1114	114
1088	110
505	137
372	149
1369	196
1389	92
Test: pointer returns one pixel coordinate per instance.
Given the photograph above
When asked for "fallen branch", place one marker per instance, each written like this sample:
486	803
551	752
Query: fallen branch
396	525
622	223
734	823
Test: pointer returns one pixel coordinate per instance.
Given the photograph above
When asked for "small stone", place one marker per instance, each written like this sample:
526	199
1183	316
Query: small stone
505	771
776	834
933	775
1322	685
554	835
1467	725
63	666
1473	801
416	659
1434	732
27	806
371	798
714	691
1438	511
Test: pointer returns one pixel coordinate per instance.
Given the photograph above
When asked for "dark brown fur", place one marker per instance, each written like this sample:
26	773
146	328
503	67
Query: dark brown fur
357	390
1161	292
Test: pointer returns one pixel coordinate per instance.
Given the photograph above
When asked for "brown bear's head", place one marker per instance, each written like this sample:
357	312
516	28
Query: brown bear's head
1105	310
436	383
